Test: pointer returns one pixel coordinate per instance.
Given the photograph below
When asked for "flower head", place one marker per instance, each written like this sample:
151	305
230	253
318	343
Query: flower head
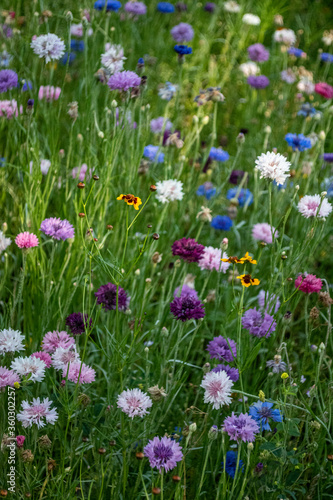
163	453
49	46
217	387
221	222
44	356
308	206
8	80
167	91
4	242
182	50
113	59
169	190
7	378
251	19
58	229
324	89
231	463
308	283
165	7
11	341
9	109
38	412
107	296
212	259
232	373
288	76
247	280
298	142
136	8
285	36
55	339
247	258
62	356
258	53
78	323
241	428
243	196
130	199
79	372
223	349
218	154
153	153
187	307
258	324
26	240
258	82
276	364
264	232
31	367
273	166
160	124
124	80
183	32
249	68
262	412
134	402
110	5
188	249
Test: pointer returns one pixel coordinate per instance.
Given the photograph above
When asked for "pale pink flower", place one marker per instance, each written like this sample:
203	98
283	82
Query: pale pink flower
217	387
53	340
263	232
134	402
211	259
49	93
36	412
308	206
72	371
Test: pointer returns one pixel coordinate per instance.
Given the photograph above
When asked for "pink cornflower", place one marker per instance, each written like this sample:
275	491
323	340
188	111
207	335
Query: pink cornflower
324	89
263	232
308	283
7	378
49	93
308	206
211	259
80	172
10	108
87	374
36	412
134	402
53	340
44	356
241	428
217	387
26	240
20	441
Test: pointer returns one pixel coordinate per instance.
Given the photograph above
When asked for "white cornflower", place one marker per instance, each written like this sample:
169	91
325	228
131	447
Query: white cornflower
35	412
306	85
32	366
113	59
249	68
251	19
285	36
49	46
232	6
4	242
328	37
134	402
273	166
308	206
169	190
11	341
61	357
217	387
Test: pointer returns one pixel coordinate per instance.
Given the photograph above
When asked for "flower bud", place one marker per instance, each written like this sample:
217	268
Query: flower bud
205	120
114	103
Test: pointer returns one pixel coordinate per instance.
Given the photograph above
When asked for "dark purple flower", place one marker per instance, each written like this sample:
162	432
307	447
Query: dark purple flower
187	307
78	323
58	229
236	176
258	53
232	373
258	324
8	80
259	467
258	82
328	157
188	249
163	453
5	31
124	80
210	6
107	295
219	348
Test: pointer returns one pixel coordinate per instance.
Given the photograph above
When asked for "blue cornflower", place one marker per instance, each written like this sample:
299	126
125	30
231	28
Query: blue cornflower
244	196
295	52
178	431
153	154
27	85
307	110
327	186
261	412
2	162
183	49
231	462
218	154
221	222
141	61
326	57
298	142
110	5
71	55
165	7
167	92
77	45
207	189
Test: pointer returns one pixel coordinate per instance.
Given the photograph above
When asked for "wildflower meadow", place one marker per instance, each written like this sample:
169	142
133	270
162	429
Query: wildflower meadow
166	174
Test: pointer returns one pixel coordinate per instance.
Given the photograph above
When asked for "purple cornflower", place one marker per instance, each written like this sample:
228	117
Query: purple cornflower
58	229
258	324
107	295
270	303
160	124
241	428
8	80
258	53
232	373
124	80
163	453
236	176
258	82
186	291
187	307
183	32
261	412
78	323
210	6
223	349
7	378
328	157
188	249
136	8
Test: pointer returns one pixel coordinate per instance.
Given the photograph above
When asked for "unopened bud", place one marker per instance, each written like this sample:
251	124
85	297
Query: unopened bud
114	103
205	120
322	135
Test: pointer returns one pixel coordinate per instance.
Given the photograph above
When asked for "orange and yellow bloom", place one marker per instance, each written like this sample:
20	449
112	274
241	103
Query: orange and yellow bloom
130	199
242	260
247	280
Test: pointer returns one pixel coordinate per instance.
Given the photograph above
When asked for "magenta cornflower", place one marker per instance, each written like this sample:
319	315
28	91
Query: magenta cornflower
53	340
188	249
8	80
241	428
72	371
20	441
44	356
324	89
308	283
107	296
187	307
38	412
124	80
7	378
78	323
163	453
58	229
223	349
26	240
134	402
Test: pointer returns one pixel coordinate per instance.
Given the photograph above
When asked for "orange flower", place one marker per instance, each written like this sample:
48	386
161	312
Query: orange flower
232	260
247	258
130	199
247	280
